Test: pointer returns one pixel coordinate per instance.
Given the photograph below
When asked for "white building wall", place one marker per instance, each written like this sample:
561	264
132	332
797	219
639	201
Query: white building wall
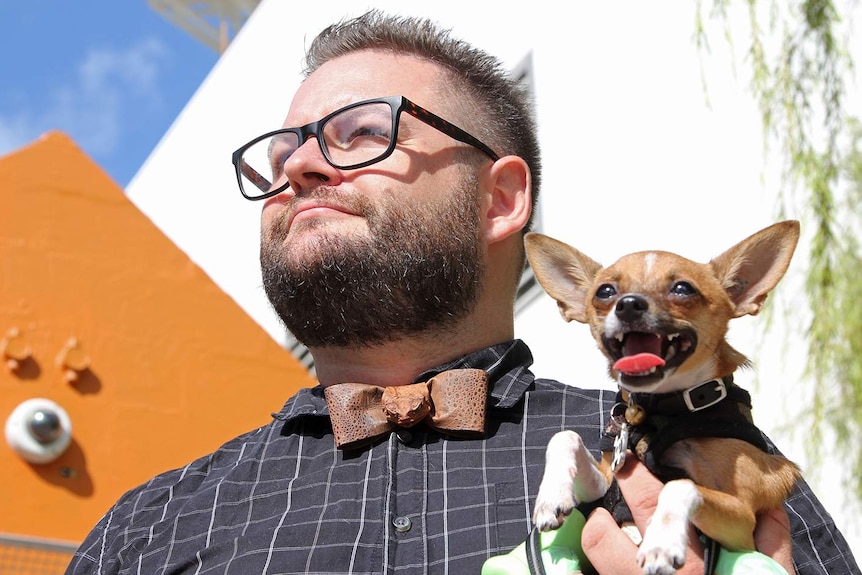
634	158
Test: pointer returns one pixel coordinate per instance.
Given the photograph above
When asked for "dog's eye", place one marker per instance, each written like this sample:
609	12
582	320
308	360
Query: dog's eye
606	291
683	288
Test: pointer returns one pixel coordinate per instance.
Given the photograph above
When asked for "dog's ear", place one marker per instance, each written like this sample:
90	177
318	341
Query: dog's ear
750	269
564	272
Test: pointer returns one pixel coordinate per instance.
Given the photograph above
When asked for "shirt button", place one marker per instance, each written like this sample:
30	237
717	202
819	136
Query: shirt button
402	524
404	436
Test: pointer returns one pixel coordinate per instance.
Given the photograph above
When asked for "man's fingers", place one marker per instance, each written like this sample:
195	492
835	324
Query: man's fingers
608	549
640	489
772	537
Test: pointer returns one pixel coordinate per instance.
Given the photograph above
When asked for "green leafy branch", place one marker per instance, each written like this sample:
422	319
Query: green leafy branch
798	65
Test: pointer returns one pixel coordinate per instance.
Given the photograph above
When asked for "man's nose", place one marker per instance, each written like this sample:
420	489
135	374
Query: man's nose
307	167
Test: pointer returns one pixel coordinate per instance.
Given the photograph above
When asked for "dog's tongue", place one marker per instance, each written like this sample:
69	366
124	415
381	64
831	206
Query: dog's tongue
641	353
638	363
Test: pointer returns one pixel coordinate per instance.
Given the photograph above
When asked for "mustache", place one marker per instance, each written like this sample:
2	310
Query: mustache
352	202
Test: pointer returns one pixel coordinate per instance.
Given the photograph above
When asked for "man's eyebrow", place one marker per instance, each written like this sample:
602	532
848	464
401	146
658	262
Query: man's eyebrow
407	125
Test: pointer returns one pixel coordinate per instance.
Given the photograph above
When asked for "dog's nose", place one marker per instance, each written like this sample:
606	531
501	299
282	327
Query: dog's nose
631	307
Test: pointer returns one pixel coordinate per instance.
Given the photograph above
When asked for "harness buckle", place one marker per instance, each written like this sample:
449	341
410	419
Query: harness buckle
704	395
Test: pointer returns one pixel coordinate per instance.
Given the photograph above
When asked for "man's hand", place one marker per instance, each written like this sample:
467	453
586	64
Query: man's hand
772	537
612	551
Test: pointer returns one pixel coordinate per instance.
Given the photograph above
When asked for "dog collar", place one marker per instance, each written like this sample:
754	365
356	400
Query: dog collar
701	396
649	424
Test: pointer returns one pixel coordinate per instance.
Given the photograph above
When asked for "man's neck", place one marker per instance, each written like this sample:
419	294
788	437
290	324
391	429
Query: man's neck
400	362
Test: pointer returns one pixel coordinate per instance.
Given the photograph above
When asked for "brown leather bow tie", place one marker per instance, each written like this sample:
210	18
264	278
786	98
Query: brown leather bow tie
452	402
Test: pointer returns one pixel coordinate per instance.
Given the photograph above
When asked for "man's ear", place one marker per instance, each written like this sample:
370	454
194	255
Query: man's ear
507	199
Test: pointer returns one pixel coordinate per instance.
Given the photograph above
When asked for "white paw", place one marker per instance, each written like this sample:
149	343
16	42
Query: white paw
554	502
661	560
556	497
665	540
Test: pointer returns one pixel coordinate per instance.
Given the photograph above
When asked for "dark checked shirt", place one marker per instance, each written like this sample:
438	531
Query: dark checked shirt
283	499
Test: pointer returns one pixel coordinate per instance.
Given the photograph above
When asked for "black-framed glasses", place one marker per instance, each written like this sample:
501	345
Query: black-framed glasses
355	136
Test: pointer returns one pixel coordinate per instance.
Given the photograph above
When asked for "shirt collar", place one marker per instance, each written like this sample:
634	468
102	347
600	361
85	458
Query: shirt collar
507	365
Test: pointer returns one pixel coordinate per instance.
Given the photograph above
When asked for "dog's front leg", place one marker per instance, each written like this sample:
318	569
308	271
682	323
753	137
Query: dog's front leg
571	475
665	540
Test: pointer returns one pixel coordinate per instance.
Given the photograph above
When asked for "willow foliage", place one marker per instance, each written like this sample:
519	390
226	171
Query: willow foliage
799	63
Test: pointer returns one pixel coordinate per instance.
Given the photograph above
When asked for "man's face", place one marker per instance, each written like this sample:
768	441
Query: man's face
360	257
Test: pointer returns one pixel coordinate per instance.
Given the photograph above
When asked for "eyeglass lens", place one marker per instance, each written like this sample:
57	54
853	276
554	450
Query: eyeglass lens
353	136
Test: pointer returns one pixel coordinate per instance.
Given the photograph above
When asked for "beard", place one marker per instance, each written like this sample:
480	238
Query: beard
418	270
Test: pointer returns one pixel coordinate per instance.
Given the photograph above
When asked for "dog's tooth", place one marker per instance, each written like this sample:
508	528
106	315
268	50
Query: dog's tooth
672	336
619	337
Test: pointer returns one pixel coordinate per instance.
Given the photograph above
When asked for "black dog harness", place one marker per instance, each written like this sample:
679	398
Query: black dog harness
717	408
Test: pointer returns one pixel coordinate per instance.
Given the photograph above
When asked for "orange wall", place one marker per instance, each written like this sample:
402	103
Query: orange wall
176	367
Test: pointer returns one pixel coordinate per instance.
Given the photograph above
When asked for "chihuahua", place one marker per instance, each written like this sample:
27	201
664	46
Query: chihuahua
661	321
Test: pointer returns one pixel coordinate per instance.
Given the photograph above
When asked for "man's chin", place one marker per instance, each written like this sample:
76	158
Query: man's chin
312	236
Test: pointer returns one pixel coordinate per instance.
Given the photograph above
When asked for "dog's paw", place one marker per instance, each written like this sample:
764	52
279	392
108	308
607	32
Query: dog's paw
554	502
548	516
661	561
664	545
556	497
662	552
665	540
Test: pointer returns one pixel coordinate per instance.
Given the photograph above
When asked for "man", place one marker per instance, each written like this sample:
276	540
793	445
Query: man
396	198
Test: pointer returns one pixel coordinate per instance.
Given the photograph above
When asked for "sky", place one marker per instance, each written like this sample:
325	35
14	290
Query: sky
112	74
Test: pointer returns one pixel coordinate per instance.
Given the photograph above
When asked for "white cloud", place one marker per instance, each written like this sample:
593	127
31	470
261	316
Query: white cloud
109	85
13	134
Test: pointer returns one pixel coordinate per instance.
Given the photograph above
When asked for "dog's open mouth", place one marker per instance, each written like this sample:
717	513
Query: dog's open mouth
640	356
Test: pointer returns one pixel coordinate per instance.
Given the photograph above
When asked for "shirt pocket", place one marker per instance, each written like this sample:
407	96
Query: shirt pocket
513	510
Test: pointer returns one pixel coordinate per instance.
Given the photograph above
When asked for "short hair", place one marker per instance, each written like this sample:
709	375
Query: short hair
499	106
